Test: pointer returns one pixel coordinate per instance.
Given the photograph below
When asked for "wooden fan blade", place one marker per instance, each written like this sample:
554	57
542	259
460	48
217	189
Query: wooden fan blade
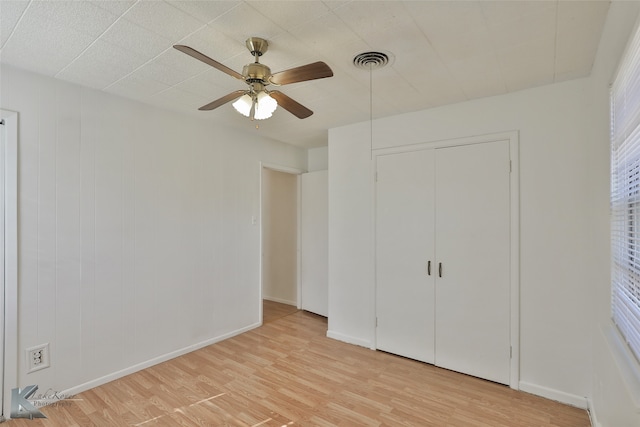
204	58
221	101
317	70
295	108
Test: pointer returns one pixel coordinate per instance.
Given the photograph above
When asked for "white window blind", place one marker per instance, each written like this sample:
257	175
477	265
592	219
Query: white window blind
625	195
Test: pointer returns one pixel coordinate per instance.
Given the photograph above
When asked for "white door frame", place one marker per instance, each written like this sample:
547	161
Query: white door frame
9	303
514	155
292	171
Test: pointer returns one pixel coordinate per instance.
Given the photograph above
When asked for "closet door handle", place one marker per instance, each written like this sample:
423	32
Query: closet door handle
439	269
429	268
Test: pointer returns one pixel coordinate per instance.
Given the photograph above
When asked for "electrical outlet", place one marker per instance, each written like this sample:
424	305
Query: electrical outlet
37	357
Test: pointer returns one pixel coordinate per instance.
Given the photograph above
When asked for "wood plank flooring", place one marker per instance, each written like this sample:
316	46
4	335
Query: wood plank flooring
272	310
288	373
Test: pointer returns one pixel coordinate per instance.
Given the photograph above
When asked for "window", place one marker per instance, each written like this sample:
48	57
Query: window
625	196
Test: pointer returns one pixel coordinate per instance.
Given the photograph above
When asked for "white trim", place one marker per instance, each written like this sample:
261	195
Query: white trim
452	142
260	242
298	303
151	362
514	188
10	368
559	396
281	168
514	157
350	340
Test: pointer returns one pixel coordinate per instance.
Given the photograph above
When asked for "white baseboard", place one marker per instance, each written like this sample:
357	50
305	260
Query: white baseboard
140	366
559	396
350	340
281	301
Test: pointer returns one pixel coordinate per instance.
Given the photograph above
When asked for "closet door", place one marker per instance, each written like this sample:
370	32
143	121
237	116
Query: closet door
473	247
404	248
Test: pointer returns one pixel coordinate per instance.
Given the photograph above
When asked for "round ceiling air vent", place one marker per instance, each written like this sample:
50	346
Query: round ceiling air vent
372	60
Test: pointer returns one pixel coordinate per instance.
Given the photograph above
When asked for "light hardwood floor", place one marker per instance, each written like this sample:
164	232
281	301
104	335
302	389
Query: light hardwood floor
272	310
287	373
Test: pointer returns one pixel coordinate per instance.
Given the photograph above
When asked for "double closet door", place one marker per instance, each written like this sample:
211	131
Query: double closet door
443	257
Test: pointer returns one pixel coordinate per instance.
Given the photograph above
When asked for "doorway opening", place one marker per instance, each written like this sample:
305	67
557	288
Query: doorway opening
280	241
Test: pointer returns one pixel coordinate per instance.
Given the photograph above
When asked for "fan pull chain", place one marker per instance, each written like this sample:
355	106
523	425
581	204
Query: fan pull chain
371	60
371	109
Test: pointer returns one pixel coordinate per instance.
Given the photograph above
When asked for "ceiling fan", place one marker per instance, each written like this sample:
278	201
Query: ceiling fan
257	102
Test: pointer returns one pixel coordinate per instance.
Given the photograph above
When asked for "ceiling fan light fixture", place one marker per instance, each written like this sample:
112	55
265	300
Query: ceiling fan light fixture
257	102
243	105
262	104
265	106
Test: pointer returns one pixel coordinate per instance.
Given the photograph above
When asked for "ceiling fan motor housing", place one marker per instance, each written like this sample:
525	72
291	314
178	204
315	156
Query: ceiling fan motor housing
256	72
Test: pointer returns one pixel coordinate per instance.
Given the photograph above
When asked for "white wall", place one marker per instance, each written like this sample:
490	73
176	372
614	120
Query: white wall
565	347
555	344
136	239
351	275
318	159
314	250
280	236
616	375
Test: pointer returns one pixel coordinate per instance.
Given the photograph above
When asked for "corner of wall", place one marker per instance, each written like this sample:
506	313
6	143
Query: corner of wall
318	159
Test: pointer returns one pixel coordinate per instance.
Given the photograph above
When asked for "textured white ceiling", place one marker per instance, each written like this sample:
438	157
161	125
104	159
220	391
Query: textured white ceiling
443	52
